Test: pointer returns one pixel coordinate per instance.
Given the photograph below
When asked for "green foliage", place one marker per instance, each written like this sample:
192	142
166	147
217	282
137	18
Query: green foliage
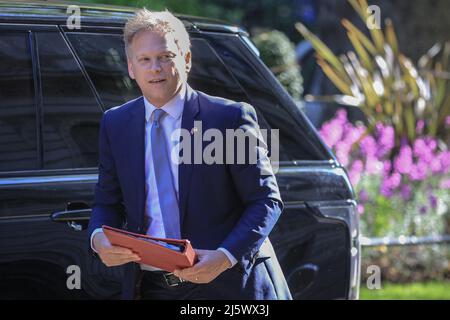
413	291
278	53
187	7
407	264
384	83
394	217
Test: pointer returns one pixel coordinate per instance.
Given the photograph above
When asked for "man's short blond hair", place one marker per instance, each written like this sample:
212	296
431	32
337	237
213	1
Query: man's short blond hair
158	21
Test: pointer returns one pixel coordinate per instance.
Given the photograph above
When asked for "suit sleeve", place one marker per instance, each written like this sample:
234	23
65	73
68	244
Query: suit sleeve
257	187
108	200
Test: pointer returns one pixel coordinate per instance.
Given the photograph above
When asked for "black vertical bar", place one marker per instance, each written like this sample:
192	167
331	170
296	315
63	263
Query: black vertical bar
37	96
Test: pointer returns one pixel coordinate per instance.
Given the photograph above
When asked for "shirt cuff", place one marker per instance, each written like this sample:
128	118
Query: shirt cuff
230	257
92	237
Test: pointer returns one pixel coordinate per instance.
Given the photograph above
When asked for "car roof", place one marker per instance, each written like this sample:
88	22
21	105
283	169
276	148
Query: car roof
96	14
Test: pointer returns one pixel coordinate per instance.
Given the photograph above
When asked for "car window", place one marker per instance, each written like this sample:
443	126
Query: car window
210	75
71	113
18	129
297	139
215	71
103	57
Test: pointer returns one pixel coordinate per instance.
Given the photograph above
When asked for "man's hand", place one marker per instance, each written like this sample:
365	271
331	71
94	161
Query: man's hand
112	255
210	265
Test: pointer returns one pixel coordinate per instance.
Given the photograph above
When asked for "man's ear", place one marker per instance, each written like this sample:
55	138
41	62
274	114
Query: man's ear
130	69
188	60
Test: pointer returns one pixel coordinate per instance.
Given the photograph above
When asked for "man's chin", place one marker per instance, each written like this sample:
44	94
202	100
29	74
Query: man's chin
157	101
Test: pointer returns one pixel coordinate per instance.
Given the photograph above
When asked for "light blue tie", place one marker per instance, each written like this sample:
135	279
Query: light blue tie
164	180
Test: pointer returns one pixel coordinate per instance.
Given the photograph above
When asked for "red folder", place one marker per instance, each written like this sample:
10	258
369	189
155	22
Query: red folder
164	253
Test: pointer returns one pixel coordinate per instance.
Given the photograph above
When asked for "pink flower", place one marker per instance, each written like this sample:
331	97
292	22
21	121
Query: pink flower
431	143
390	183
341	115
386	191
423	210
332	131
352	133
445	184
403	163
342	153
418	172
419	126
386	167
373	166
386	139
423	149
433	201
360	209
368	146
405	192
363	196
355	172
436	165
444	158
395	179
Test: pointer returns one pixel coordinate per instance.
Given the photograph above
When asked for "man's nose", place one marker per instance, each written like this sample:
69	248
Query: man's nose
155	66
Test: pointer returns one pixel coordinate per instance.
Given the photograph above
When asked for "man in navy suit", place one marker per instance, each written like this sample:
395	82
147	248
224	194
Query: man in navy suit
225	208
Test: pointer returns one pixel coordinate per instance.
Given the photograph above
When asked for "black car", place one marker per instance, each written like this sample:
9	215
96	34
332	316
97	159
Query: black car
55	83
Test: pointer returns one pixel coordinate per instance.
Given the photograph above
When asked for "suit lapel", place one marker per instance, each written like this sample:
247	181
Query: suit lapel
136	154
191	109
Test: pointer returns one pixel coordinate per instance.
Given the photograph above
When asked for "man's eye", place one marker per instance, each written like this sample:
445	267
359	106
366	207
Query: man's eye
166	57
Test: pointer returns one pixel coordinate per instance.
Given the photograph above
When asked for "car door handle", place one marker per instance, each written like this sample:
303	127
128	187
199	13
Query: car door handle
72	215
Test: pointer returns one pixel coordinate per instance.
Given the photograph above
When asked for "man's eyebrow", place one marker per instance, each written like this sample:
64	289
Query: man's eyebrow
168	51
145	54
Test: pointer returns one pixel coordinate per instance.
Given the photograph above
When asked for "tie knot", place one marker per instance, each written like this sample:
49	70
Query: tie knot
158	114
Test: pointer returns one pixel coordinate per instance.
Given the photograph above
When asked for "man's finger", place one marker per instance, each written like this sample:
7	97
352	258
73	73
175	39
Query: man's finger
120	250
119	261
114	255
126	260
200	252
183	273
122	255
192	271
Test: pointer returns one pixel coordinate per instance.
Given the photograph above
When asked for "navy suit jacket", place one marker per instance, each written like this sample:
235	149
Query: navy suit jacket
221	205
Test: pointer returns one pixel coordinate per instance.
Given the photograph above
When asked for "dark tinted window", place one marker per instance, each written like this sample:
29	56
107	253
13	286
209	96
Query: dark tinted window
103	57
298	140
18	143
219	68
71	112
210	75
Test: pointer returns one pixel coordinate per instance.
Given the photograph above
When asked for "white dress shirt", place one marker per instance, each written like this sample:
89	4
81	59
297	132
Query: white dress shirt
170	123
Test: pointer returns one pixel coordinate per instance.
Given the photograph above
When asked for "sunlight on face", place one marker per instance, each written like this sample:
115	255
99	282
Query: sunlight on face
157	65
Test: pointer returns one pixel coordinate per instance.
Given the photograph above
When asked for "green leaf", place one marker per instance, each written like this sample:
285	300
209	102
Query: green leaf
361	36
391	37
322	49
337	81
363	56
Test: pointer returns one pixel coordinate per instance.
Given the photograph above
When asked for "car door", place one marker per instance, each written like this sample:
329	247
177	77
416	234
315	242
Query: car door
49	119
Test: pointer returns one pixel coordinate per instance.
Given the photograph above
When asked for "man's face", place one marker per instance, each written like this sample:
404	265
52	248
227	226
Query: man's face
157	65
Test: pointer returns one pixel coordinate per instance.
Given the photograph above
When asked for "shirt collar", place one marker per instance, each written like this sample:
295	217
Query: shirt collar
173	107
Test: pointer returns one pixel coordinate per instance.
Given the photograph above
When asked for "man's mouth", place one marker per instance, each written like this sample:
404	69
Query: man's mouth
157	81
